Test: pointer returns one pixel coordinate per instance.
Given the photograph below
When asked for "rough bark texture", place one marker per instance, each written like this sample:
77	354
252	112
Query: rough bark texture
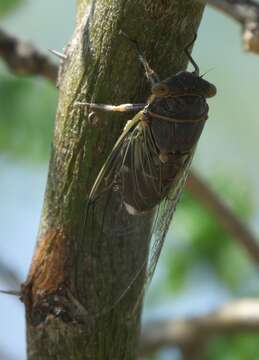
73	274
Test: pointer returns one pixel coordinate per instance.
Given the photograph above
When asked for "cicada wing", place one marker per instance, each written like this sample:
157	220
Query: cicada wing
164	215
104	189
109	232
132	178
114	160
162	218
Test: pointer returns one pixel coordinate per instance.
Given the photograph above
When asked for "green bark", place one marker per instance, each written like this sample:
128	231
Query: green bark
73	274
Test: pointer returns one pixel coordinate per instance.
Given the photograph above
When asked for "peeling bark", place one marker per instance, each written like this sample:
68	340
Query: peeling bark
73	274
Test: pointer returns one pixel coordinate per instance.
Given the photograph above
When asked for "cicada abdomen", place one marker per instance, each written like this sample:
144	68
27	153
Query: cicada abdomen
149	163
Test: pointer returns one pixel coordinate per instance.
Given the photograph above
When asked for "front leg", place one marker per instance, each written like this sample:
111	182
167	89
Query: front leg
151	75
114	108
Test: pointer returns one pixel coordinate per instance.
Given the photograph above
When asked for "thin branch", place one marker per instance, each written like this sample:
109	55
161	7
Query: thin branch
224	215
245	12
235	317
23	58
240	10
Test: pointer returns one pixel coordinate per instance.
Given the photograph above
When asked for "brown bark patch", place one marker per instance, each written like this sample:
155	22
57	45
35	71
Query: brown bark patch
47	269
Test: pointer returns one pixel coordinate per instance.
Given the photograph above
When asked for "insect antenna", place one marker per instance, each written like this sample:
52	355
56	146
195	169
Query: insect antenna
188	54
206	72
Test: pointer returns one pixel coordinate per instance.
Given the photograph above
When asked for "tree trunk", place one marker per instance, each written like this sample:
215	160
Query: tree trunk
74	275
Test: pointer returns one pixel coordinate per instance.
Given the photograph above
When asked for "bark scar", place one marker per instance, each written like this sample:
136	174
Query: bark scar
47	270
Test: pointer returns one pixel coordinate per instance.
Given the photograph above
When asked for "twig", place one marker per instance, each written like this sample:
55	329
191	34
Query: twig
246	12
23	58
240	10
224	215
238	316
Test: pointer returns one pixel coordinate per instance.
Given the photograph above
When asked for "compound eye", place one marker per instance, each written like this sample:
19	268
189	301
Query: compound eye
160	89
211	91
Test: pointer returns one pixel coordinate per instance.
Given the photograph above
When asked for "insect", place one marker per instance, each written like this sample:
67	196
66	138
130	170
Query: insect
147	167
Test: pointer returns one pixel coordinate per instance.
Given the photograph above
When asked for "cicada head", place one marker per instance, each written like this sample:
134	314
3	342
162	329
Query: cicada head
178	110
184	84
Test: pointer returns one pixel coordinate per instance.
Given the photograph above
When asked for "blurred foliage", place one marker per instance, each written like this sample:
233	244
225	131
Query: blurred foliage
28	108
27	116
238	347
202	240
6	6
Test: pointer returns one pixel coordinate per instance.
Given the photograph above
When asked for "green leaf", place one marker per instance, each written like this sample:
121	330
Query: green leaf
238	347
27	116
6	6
200	239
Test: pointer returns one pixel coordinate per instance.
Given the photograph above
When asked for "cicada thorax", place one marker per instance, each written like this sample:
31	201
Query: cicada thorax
165	141
176	123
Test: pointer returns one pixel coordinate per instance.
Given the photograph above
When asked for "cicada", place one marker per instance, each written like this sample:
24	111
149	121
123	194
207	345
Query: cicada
148	165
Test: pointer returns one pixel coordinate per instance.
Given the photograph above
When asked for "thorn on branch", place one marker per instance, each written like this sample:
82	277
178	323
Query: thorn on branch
58	54
11	292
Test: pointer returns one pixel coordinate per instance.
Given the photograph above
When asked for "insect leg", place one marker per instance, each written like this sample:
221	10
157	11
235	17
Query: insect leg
187	52
150	73
115	108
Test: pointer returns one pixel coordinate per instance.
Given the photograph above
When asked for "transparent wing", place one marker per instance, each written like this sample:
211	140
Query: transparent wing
162	220
114	161
164	216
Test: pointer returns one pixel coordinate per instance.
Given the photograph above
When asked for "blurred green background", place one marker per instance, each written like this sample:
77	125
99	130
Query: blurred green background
201	266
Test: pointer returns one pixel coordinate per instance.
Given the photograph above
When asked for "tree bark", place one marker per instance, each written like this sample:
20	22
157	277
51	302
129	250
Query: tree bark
74	274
